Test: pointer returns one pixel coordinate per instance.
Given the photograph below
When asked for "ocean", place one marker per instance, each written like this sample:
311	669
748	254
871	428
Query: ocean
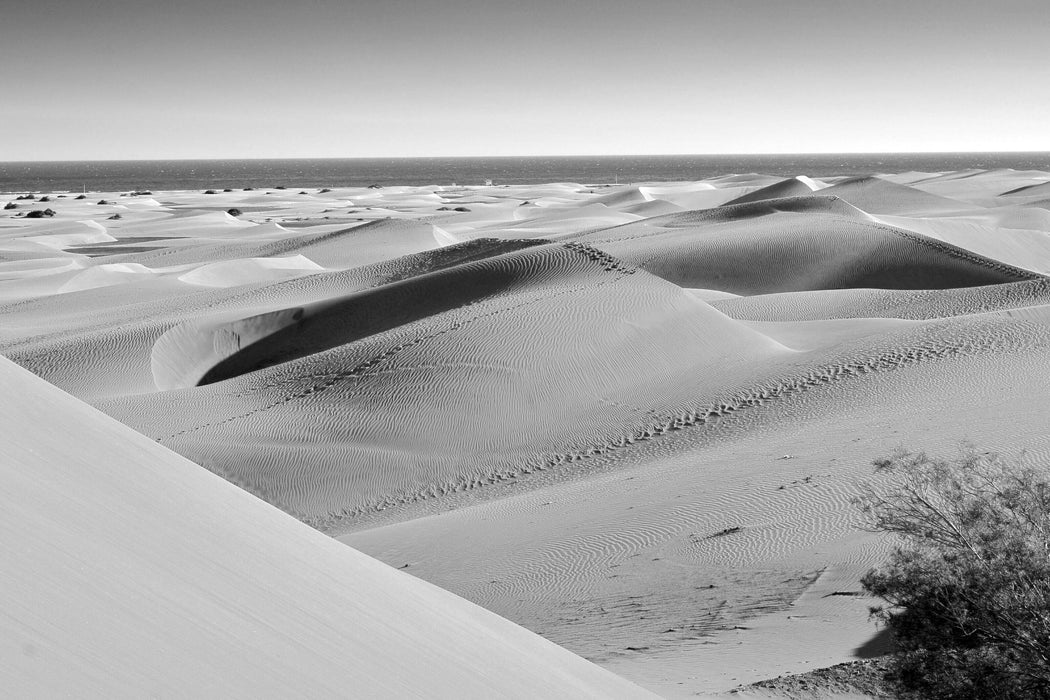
116	176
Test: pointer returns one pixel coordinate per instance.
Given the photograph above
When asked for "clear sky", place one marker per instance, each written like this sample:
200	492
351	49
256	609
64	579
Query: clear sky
101	79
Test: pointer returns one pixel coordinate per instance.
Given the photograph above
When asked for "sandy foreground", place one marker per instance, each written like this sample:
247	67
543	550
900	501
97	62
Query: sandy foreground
629	419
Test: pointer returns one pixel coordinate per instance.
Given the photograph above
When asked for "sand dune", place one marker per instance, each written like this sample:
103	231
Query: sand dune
980	187
438	393
1039	190
130	570
233	273
878	196
1014	236
795	244
348	247
884	303
628	417
791	187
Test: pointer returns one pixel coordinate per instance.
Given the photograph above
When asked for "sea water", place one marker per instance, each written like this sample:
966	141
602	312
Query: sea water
116	176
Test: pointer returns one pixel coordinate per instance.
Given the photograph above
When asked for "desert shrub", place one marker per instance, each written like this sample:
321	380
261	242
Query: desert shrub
234	212
227	189
81	196
103	201
210	192
461	209
26	196
324	190
10	205
40	213
45	198
280	187
115	217
968	589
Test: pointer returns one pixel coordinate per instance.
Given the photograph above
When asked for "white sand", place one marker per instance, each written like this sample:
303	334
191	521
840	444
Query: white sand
130	571
628	418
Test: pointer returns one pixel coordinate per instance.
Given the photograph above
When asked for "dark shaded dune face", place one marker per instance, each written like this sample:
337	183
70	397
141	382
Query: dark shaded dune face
792	187
274	337
793	245
1040	190
877	196
112	349
740	211
565	347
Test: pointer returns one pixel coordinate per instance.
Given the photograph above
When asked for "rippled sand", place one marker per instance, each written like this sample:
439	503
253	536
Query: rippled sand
628	418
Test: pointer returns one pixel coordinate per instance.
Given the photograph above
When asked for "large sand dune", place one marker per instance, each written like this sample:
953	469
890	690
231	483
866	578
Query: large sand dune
630	418
796	244
130	571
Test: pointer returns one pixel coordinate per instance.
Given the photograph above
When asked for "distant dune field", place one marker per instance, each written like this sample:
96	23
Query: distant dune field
628	418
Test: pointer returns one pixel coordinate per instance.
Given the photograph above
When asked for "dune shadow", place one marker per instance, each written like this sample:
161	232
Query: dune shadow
879	645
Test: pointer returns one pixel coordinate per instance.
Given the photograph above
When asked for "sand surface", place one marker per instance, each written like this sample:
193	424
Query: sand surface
131	572
628	418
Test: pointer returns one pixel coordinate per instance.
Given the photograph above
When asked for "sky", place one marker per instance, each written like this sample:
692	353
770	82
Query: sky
116	79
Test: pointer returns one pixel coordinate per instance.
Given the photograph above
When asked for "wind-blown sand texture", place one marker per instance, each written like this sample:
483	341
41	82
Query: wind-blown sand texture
131	572
628	418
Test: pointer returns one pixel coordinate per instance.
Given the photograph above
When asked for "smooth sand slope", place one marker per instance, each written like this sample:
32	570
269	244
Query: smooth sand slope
630	418
130	571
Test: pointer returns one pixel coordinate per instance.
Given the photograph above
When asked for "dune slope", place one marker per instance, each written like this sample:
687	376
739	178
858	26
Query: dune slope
131	571
334	411
793	245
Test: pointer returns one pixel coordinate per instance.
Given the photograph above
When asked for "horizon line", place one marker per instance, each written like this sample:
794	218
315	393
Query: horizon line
551	155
